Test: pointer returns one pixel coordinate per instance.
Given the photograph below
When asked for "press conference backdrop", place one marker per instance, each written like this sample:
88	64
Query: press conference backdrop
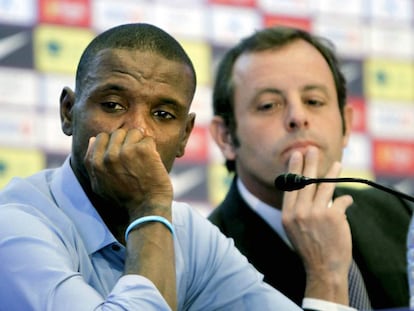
41	42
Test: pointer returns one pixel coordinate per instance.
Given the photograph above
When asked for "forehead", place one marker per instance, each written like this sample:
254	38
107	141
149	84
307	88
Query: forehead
295	61
139	62
139	66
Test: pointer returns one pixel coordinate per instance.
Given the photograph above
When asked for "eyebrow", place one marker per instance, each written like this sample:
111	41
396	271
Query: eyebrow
169	101
309	87
109	87
269	90
320	87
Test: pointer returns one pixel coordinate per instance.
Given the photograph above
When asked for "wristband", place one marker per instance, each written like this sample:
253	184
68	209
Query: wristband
137	222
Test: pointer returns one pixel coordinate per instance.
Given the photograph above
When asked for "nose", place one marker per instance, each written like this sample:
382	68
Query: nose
136	118
296	116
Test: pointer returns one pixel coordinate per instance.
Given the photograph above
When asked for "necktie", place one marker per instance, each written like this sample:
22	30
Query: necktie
358	296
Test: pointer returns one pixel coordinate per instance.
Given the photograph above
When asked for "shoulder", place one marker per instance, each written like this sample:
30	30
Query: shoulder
198	235
369	195
230	206
374	204
198	241
27	189
190	222
32	206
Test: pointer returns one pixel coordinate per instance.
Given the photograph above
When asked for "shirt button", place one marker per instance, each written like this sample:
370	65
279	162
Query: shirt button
115	247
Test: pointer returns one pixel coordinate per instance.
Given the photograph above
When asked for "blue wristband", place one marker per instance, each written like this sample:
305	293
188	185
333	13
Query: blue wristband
140	221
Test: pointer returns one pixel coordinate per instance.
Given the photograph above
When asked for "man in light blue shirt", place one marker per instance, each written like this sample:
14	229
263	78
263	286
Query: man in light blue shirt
57	254
102	231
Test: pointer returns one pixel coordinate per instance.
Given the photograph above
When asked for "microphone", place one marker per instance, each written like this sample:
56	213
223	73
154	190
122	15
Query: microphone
291	182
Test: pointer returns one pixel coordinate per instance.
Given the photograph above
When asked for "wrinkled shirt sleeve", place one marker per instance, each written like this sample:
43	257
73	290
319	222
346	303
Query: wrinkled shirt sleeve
40	270
214	275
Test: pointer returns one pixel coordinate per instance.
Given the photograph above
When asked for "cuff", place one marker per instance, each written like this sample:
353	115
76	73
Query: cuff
323	305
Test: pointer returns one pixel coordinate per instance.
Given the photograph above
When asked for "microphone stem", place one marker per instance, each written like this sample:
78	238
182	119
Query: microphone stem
368	182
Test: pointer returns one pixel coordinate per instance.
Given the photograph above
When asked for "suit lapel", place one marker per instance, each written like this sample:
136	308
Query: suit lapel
251	232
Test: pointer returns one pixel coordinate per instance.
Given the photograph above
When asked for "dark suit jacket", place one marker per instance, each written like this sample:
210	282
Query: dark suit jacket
379	224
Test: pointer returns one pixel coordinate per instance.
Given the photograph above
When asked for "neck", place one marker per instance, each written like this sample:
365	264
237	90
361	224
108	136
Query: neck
115	217
269	195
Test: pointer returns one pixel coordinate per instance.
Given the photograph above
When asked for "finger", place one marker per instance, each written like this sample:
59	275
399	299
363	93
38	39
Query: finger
295	166
296	163
342	203
134	135
96	151
325	191
116	140
88	159
310	168
139	136
89	152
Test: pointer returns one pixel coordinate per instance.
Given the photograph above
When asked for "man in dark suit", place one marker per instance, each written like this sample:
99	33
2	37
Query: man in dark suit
279	105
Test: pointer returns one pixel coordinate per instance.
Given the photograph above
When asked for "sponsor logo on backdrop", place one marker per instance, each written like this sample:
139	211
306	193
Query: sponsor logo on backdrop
389	80
18	12
393	157
58	48
19	162
16	46
67	12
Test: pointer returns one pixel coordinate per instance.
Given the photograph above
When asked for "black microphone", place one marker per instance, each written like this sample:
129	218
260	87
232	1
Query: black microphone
291	182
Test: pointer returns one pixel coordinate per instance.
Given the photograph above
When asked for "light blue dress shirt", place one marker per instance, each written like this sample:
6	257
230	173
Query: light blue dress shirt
56	253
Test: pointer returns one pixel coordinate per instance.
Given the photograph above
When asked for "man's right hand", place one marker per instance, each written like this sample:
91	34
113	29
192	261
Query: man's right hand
319	230
125	168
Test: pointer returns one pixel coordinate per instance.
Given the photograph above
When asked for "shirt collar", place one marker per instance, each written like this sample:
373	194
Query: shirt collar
73	201
271	215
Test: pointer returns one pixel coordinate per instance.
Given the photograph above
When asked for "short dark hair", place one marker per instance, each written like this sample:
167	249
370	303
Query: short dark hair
134	36
262	40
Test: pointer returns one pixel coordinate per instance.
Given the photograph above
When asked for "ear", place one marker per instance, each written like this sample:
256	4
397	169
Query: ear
188	129
67	100
348	119
222	136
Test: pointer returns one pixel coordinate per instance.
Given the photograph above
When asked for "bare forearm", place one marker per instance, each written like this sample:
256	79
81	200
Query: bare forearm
150	253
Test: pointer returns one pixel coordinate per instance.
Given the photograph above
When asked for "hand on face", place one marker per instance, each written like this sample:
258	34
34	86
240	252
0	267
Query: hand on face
125	168
321	235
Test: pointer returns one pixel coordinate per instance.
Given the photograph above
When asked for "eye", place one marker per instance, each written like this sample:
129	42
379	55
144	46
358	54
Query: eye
164	115
314	102
270	105
112	106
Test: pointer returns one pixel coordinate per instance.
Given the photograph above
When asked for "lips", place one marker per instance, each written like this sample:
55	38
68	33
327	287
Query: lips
302	147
